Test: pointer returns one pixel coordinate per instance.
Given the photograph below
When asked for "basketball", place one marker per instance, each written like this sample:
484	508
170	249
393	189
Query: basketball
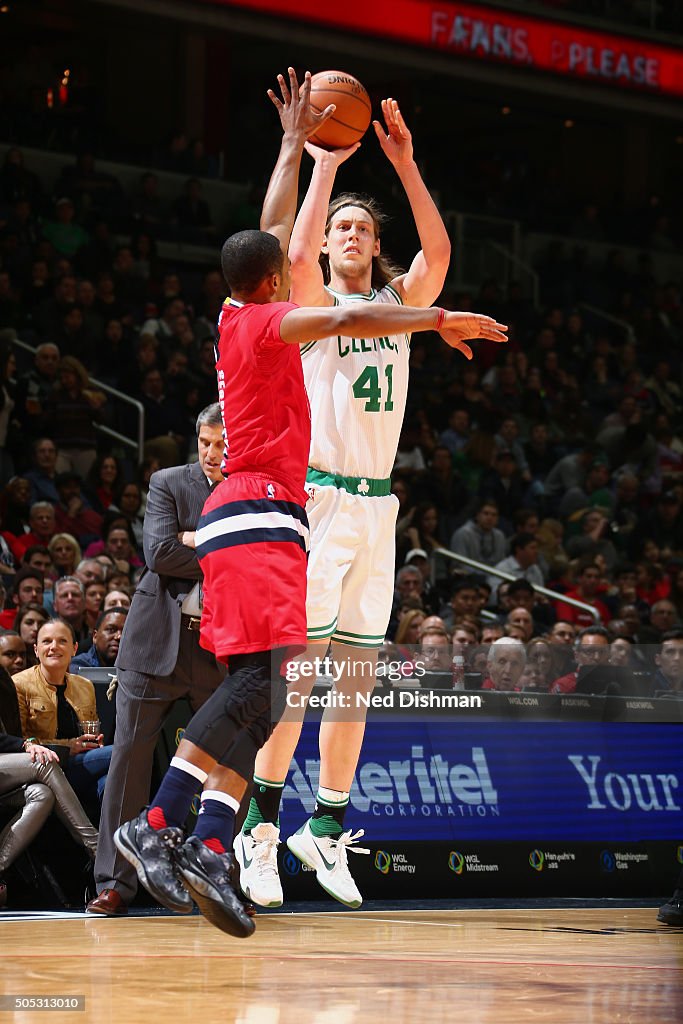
350	120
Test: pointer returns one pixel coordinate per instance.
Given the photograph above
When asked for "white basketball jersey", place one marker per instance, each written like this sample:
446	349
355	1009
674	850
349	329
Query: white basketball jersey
357	388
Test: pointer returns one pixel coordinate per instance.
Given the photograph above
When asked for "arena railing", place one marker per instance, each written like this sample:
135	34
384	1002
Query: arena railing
136	443
488	570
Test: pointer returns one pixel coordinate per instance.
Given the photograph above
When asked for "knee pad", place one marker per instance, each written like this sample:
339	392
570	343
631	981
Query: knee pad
250	696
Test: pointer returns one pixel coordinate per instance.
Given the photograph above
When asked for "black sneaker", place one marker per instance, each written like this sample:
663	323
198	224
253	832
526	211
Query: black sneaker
672	912
207	876
150	851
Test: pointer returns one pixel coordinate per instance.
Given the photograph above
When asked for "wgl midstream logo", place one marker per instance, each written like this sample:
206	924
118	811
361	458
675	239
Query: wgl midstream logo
459	862
414	787
642	791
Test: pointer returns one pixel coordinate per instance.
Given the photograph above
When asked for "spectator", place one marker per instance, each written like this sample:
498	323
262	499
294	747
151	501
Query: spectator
192	216
116	599
479	539
458	433
53	703
593	494
119	542
27	586
72	515
105	641
12	652
69	604
89	570
490	632
505	664
505	485
419	559
64	232
622	653
72	409
522	563
521	618
587	583
442	486
43	474
29	618
33	784
507	439
669	675
570	472
540	655
38	557
95	593
408	634
163	420
65	553
148	210
34	388
128	501
563	633
104	477
464	600
435	653
664	525
592	647
664	617
594	539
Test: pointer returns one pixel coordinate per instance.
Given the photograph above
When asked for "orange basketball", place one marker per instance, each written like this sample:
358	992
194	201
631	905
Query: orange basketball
350	120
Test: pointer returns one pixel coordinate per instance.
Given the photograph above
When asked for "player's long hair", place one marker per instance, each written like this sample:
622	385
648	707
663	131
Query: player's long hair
383	269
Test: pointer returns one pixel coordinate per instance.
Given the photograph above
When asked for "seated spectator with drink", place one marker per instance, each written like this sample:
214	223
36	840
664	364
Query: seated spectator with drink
59	708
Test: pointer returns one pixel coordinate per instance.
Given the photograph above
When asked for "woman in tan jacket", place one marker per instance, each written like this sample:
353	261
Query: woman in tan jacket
54	702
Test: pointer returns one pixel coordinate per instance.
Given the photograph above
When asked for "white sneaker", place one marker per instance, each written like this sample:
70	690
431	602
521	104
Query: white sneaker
257	857
327	857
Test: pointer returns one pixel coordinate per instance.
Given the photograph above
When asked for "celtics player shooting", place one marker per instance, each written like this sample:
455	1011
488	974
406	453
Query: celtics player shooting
357	388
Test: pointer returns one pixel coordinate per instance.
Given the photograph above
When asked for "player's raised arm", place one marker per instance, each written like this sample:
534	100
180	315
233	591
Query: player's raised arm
368	320
309	228
425	279
298	122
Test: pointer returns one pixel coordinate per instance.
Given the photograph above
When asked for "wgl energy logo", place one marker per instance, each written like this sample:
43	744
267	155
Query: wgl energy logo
410	788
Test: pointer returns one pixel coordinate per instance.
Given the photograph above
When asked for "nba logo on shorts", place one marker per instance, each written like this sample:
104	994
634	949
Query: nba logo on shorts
270	490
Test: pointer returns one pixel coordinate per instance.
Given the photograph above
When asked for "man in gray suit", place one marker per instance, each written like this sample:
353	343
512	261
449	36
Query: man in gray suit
159	658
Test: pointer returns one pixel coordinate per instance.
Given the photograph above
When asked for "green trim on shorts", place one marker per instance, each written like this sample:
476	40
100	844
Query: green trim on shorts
369	645
365	486
321	632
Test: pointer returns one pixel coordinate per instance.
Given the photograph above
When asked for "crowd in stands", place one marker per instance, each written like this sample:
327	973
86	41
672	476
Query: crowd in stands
558	460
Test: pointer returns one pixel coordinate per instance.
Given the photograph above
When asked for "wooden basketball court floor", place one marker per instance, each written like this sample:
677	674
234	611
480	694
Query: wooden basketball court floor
545	963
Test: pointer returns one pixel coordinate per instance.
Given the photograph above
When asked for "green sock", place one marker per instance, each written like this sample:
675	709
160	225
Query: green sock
328	816
264	805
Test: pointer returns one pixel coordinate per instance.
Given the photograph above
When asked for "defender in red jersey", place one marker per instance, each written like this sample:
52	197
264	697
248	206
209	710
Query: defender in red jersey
253	534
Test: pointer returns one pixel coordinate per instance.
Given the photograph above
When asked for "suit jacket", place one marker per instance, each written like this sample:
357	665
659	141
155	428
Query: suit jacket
151	635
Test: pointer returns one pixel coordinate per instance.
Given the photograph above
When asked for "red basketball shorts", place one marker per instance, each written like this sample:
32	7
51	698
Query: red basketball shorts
252	543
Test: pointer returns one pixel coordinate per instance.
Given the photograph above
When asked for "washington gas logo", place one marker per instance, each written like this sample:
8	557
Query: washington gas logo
291	864
607	861
456	862
383	861
536	860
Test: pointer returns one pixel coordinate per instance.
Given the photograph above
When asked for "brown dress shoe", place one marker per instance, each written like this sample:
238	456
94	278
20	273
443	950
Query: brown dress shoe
108	903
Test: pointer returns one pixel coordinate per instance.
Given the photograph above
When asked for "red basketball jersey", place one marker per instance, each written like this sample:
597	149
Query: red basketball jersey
261	391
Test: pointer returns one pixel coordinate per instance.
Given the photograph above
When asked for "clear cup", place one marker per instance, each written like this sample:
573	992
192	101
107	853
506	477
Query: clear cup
90	729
